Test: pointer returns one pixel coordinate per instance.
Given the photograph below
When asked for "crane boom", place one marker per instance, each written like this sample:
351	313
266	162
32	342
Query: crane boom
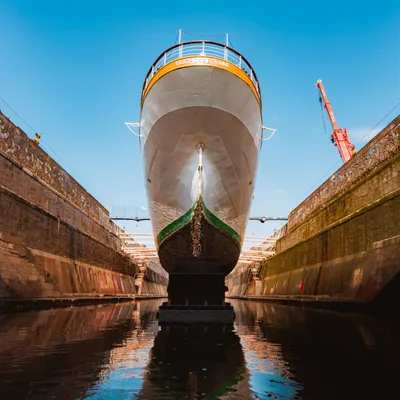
339	136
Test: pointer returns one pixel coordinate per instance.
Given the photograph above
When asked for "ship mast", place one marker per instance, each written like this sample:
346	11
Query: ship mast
339	136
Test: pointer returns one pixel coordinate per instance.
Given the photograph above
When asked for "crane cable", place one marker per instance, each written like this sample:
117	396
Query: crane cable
335	165
322	112
387	114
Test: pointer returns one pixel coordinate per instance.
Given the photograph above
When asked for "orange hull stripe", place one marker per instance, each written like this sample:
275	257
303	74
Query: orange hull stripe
201	61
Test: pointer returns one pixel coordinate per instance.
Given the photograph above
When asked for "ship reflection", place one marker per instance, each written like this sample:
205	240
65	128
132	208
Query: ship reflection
119	352
196	362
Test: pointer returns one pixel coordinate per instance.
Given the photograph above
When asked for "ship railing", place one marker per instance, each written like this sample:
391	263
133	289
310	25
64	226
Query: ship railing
202	49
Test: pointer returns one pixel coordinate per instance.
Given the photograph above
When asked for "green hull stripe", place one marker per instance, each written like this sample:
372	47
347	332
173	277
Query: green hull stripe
178	223
185	218
221	225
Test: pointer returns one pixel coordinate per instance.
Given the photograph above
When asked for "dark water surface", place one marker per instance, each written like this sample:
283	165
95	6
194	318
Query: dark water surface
273	352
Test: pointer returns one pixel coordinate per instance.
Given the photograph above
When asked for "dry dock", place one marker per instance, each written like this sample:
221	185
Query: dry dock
341	244
57	243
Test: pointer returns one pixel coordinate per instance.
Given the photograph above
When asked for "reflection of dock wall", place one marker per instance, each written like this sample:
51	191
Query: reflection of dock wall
343	241
56	240
73	346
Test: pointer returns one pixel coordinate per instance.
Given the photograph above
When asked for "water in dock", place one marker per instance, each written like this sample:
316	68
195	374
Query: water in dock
273	352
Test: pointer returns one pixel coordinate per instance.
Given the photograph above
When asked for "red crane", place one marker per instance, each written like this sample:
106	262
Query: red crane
339	136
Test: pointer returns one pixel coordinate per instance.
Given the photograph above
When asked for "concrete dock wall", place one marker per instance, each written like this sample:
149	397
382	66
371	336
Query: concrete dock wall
342	242
56	240
155	281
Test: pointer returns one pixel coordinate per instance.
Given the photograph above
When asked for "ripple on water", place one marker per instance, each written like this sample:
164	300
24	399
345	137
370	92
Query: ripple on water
272	352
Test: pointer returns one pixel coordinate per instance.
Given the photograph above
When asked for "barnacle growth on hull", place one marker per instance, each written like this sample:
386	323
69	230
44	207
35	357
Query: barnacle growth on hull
196	228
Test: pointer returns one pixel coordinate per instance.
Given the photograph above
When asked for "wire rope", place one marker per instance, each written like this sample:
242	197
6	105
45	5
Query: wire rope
334	166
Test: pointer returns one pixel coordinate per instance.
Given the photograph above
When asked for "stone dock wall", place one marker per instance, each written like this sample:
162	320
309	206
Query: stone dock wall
152	281
56	240
343	242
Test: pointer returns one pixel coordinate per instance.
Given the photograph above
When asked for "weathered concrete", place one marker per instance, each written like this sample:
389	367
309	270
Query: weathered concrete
343	242
154	281
27	273
56	240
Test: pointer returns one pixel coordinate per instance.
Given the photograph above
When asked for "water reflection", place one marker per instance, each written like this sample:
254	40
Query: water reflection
273	351
63	353
331	355
196	362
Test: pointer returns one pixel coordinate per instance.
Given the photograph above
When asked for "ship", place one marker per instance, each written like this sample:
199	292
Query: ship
200	134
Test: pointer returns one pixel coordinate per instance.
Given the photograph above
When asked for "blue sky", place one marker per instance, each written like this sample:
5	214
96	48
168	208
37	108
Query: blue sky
74	70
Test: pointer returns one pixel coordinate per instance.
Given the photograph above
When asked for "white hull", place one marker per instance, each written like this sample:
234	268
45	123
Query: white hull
214	107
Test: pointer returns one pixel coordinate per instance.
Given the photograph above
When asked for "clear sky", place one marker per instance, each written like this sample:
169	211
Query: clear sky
73	70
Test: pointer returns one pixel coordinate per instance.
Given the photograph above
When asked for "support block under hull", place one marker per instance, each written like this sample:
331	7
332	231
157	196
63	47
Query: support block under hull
196	298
